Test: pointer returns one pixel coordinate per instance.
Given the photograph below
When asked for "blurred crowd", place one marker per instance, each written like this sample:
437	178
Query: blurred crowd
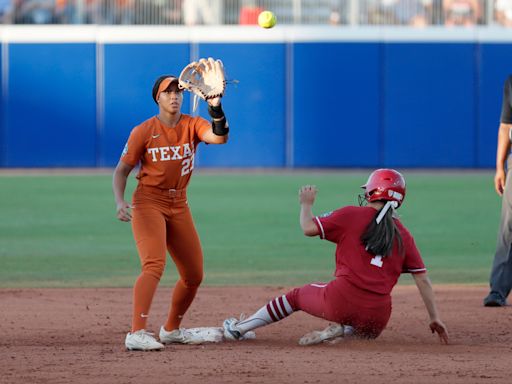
89	11
215	12
441	12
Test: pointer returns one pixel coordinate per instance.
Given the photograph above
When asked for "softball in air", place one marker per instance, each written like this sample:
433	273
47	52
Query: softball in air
267	19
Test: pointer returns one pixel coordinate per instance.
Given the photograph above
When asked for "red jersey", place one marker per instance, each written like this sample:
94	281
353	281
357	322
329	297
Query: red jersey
166	154
345	227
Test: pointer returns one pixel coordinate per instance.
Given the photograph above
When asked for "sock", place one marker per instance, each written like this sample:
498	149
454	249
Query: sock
143	292
276	309
182	297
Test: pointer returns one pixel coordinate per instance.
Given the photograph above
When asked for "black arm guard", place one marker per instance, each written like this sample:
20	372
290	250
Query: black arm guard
216	112
219	123
220	127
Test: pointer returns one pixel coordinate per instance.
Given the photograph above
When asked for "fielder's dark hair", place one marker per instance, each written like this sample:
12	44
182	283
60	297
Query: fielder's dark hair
157	84
380	238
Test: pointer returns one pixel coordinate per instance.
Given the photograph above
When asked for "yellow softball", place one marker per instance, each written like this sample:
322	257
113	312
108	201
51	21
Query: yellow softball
267	19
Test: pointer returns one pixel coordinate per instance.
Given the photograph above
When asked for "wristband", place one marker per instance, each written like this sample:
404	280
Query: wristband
216	112
220	127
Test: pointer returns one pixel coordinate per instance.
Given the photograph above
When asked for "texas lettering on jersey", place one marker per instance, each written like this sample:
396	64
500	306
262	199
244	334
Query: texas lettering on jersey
178	152
166	155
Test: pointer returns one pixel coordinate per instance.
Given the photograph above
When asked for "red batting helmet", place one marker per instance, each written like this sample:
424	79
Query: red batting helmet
385	184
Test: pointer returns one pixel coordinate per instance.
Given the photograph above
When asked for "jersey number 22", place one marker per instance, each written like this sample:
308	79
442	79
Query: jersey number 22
187	165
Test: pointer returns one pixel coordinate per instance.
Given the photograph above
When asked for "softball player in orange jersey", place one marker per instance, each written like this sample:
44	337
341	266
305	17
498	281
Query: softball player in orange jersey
165	146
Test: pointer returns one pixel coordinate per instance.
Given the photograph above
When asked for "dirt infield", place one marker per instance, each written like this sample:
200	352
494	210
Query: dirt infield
77	335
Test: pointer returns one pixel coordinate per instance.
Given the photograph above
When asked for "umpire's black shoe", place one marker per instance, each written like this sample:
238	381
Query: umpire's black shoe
494	300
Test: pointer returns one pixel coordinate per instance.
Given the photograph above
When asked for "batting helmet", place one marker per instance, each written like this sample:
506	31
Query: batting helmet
385	184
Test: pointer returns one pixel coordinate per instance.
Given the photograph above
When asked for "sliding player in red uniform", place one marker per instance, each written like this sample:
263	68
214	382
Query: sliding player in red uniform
372	249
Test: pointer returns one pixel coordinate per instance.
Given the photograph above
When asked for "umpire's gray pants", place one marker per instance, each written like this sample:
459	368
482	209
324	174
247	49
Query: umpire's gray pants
501	274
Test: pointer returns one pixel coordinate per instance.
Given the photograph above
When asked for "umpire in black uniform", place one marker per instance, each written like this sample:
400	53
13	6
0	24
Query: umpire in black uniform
501	275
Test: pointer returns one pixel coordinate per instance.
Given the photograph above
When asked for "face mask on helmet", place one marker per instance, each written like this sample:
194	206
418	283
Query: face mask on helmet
385	185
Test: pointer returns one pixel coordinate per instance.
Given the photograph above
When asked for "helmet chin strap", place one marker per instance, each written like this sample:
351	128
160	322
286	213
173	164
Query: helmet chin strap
389	204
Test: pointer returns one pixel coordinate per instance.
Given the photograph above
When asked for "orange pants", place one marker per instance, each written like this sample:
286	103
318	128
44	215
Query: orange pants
161	222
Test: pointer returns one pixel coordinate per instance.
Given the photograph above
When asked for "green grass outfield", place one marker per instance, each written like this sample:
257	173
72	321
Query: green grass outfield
61	231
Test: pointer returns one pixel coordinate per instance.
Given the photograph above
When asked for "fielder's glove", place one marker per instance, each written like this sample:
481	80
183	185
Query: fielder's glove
204	78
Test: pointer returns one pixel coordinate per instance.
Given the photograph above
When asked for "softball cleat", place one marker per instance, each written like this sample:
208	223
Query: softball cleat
176	336
142	340
330	333
230	330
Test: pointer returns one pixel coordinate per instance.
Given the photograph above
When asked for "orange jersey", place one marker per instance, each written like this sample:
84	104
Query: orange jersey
166	154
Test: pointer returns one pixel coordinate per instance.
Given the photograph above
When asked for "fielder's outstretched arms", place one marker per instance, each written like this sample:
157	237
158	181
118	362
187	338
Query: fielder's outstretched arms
372	249
165	146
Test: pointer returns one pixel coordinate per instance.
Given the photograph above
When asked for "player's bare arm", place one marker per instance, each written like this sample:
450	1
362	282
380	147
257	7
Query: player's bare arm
119	185
427	294
307	195
501	156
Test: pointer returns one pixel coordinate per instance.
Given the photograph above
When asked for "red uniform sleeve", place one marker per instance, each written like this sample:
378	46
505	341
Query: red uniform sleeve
331	225
135	147
413	263
200	127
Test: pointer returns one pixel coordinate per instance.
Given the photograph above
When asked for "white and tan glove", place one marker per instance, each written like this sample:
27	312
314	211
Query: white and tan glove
204	78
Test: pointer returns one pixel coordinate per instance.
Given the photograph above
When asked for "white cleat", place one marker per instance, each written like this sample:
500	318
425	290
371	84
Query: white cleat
142	340
231	332
332	332
176	336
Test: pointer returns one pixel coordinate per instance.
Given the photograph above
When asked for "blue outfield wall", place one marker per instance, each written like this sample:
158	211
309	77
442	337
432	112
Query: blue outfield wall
494	63
341	99
430	107
255	106
50	106
336	104
3	100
